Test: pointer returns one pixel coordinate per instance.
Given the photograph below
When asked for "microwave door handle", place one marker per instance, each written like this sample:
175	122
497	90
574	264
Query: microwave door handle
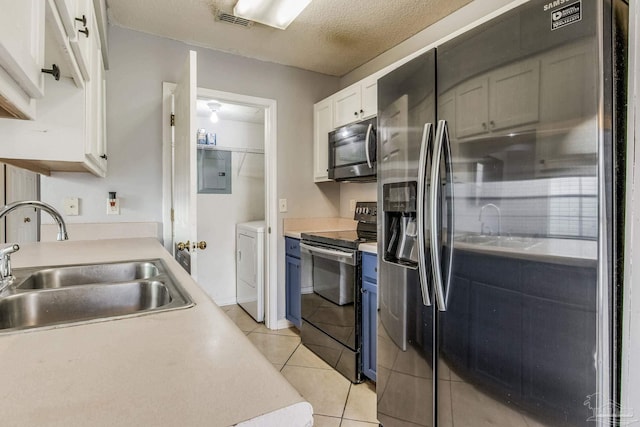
366	146
422	177
328	252
434	212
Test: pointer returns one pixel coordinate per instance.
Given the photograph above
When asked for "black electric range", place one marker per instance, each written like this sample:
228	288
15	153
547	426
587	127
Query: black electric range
331	304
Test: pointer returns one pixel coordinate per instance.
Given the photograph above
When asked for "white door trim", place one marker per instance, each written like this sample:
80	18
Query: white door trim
271	206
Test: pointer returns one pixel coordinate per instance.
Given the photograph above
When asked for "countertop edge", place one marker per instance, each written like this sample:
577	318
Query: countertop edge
108	347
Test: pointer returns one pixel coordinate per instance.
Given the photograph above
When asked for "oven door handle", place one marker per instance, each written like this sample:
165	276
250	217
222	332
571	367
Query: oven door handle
366	144
329	252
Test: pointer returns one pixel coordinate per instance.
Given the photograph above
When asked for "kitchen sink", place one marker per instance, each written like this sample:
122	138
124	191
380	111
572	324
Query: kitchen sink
87	274
476	239
499	241
66	295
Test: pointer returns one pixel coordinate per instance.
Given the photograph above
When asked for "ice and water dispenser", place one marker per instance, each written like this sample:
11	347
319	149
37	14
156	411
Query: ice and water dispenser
400	227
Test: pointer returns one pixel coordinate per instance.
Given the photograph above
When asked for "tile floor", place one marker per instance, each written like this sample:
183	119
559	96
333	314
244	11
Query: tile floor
336	401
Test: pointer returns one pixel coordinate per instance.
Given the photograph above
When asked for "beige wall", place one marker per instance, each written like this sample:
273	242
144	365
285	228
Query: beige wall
139	63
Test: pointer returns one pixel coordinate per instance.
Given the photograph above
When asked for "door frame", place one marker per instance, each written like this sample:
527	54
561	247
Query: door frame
271	184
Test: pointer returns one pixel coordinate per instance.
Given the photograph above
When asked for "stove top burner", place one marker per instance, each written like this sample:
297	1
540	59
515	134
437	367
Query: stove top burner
344	238
365	214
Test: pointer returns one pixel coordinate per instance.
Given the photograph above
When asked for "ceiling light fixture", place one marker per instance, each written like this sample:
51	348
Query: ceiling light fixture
215	107
274	13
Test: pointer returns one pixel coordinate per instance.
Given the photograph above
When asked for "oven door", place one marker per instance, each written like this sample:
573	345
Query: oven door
331	271
333	274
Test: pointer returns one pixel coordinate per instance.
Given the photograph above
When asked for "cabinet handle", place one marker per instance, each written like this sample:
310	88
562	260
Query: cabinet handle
355	114
85	31
492	123
104	156
484	125
83	20
362	290
54	71
361	111
27	219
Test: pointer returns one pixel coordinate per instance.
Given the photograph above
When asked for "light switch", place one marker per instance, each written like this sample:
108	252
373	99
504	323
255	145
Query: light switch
70	206
283	205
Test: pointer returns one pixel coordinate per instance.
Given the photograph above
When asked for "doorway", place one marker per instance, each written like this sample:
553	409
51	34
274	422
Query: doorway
244	171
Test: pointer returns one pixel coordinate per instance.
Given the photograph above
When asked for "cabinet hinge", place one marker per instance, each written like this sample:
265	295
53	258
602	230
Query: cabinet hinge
172	215
268	230
173	119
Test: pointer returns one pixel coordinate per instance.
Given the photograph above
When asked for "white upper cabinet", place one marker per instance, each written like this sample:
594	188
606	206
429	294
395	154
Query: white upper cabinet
505	98
346	105
356	102
21	57
369	88
322	125
69	131
77	17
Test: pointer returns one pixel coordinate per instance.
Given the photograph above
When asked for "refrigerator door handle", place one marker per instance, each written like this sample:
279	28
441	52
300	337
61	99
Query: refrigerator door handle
450	211
434	212
366	144
421	218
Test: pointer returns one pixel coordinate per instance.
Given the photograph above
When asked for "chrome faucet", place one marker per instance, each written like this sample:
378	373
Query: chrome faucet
6	277
490	205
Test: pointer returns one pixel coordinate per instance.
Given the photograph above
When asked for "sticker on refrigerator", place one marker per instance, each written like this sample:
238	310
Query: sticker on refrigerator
566	15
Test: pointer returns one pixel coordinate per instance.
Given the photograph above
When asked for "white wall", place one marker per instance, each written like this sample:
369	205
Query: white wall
360	192
218	214
139	63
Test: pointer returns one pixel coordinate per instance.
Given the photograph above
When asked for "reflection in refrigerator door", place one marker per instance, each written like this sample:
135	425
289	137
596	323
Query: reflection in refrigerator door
502	173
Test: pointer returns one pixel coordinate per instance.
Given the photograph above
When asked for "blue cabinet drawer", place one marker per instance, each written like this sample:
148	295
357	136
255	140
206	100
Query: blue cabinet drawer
292	247
370	267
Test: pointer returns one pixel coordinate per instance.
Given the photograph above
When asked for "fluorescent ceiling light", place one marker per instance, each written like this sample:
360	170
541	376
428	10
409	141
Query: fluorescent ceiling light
275	13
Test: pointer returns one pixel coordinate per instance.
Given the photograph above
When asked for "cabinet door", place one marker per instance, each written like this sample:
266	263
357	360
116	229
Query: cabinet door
322	125
346	106
369	328
21	56
95	142
85	37
472	108
568	100
514	95
292	290
369	106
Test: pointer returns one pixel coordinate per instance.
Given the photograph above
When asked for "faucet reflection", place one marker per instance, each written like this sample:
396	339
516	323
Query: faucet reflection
482	225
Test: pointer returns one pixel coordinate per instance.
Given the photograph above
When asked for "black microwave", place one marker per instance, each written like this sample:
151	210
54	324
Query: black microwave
352	152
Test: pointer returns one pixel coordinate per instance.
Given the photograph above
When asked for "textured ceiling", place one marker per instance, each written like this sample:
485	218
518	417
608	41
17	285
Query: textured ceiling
330	36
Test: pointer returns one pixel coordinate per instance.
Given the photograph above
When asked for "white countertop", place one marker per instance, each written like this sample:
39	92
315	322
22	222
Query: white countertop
371	247
186	367
562	251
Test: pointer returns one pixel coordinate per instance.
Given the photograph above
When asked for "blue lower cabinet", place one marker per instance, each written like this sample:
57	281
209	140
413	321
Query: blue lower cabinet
292	281
369	314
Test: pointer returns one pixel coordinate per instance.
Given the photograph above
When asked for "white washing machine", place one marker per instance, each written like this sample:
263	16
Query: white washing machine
250	268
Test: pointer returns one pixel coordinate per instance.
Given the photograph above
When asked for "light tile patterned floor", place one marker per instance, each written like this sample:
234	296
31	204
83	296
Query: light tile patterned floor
336	401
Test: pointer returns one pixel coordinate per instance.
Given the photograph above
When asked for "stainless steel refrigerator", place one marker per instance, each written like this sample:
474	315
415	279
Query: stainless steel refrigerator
500	181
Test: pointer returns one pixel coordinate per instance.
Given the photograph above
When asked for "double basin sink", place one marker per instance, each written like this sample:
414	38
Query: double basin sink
506	242
50	297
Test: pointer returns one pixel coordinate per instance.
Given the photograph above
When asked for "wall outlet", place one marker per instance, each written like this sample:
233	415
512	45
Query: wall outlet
113	206
352	205
70	206
282	204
